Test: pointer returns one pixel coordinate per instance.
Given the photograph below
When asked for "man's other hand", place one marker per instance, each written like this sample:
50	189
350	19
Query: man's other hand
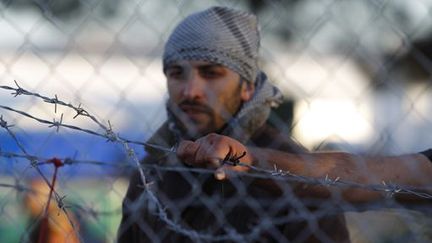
211	150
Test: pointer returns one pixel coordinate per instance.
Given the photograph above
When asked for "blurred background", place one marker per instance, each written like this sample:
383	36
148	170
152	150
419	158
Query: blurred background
356	77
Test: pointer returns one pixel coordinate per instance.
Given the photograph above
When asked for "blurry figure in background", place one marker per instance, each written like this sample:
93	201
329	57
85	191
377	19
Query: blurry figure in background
58	228
218	109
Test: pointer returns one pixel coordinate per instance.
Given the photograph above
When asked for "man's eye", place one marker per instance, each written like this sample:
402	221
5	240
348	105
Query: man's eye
175	73
211	74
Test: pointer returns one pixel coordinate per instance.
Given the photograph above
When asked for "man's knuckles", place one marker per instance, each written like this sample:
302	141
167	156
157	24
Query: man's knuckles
187	149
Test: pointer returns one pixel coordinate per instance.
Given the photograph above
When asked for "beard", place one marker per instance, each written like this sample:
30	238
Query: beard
191	128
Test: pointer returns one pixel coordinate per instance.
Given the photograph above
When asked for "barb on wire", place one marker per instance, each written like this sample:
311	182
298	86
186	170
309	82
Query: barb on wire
391	189
61	204
57	124
3	123
18	90
80	111
109	133
328	181
54	101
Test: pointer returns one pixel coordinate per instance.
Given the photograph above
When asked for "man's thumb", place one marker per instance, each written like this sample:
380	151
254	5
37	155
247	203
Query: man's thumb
220	173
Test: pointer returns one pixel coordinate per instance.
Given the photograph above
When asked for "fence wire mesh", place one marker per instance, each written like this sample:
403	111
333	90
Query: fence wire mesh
82	91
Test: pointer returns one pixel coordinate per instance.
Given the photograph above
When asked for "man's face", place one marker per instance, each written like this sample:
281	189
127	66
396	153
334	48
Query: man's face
204	95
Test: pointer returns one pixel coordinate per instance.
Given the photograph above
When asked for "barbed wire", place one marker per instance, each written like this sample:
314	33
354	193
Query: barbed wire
324	182
109	134
260	173
254	171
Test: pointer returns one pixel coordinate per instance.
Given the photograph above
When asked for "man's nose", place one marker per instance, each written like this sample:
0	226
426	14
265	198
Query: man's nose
194	86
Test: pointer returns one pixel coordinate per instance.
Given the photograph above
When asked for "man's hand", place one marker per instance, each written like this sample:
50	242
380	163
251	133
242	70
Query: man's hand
211	150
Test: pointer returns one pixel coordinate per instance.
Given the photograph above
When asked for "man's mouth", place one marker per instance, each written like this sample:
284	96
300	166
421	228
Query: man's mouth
195	112
192	109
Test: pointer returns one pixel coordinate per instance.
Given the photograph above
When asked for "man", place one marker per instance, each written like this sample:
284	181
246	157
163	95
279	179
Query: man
218	107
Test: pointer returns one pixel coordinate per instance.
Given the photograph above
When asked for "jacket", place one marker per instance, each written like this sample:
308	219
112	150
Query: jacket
256	209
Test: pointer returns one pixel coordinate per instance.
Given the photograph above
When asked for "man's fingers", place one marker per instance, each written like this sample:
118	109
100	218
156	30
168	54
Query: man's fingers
209	151
204	153
214	162
187	150
198	154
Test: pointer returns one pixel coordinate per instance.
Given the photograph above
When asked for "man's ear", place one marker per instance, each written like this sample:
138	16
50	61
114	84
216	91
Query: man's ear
247	91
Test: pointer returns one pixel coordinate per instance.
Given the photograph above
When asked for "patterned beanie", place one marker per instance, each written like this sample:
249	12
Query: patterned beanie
220	35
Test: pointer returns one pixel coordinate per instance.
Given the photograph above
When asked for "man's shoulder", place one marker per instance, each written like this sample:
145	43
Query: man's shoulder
270	137
163	137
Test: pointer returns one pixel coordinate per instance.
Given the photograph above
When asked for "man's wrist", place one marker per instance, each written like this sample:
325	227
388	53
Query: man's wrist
428	154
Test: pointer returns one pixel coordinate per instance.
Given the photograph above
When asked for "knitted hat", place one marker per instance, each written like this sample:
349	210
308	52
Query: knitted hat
220	35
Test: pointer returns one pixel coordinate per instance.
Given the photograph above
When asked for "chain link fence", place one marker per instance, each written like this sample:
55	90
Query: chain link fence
82	90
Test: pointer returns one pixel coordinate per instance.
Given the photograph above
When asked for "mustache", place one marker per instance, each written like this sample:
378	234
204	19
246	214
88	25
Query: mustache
194	105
